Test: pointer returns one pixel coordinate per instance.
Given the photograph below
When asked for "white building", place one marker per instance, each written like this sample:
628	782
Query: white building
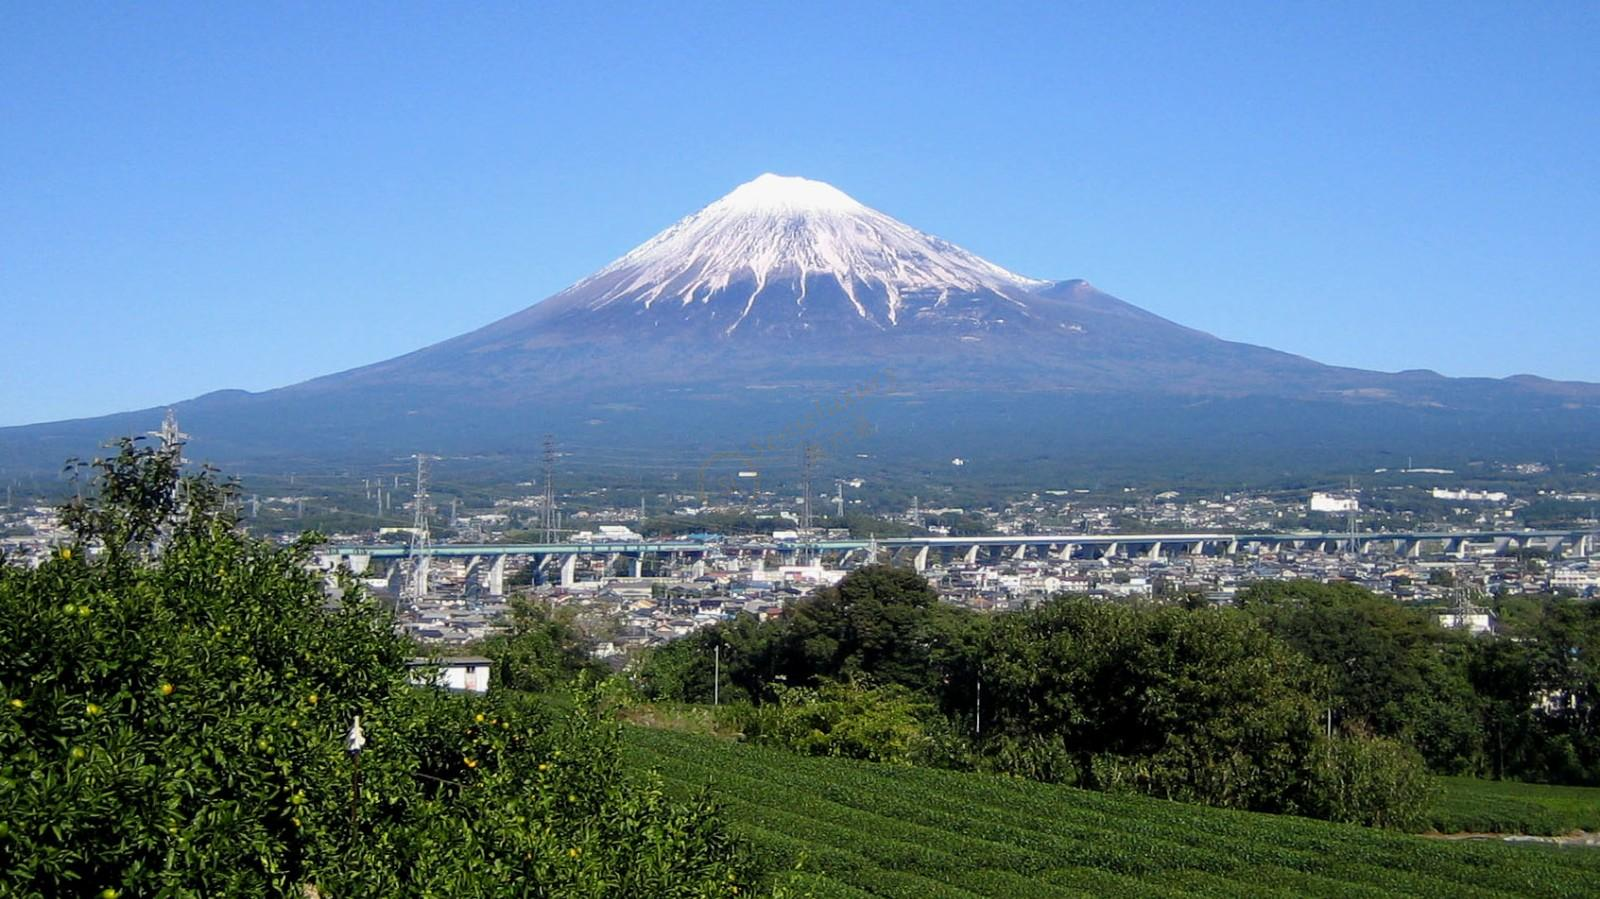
1470	496
1474	623
1578	580
1334	502
469	674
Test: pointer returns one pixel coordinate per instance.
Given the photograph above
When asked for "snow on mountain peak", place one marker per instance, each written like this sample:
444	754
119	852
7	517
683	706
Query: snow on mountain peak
786	193
785	240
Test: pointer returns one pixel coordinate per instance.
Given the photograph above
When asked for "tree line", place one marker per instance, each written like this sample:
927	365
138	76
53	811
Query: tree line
1303	697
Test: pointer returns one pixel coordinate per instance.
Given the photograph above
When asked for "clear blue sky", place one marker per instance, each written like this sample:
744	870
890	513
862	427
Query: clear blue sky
195	197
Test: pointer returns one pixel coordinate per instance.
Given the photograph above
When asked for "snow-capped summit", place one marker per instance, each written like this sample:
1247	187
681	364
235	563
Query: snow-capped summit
782	255
787	193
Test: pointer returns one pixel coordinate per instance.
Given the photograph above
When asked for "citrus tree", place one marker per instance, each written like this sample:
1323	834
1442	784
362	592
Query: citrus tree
174	700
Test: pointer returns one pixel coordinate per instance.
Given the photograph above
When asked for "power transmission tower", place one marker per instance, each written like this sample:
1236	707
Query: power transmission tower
547	511
1351	518
172	439
808	458
416	587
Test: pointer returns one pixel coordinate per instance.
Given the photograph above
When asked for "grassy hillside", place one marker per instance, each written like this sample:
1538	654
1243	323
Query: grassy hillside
1466	805
857	829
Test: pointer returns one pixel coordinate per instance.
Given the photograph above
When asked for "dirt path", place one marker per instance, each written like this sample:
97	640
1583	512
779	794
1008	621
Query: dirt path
1576	838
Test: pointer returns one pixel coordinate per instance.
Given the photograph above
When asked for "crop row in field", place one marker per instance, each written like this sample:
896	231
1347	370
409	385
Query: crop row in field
1467	805
860	829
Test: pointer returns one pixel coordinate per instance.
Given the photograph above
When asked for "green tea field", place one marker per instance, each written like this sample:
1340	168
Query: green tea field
1466	805
841	828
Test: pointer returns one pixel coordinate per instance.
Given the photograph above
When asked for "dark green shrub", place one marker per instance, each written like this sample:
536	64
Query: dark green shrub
1367	780
846	720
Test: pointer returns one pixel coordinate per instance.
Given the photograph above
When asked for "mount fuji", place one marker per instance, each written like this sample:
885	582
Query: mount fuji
734	324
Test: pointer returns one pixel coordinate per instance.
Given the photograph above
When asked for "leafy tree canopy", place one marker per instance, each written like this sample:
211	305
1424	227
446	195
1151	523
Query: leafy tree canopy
173	703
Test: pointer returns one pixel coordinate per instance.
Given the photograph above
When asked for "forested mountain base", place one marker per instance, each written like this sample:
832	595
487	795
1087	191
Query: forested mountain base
839	827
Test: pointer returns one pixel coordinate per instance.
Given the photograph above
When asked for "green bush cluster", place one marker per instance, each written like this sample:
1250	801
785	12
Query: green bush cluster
1517	705
1374	781
1199	706
1202	705
842	719
173	701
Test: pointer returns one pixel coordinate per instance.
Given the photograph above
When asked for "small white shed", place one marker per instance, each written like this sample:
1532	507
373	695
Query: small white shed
469	674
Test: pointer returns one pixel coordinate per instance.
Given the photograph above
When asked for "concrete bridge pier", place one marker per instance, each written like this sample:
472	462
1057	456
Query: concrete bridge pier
638	566
497	576
920	560
972	554
1154	552
1110	550
569	569
1067	551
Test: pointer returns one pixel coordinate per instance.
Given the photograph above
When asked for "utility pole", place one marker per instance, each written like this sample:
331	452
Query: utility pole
355	741
978	710
838	498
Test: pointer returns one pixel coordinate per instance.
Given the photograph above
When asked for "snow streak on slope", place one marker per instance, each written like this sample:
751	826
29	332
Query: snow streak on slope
792	230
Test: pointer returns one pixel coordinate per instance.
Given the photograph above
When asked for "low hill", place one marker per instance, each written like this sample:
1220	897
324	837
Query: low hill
850	828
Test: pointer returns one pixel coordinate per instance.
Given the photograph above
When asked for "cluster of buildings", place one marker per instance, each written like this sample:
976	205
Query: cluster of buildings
626	605
624	613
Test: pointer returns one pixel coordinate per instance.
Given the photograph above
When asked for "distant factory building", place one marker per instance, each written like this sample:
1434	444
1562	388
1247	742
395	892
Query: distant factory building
1334	502
1470	496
